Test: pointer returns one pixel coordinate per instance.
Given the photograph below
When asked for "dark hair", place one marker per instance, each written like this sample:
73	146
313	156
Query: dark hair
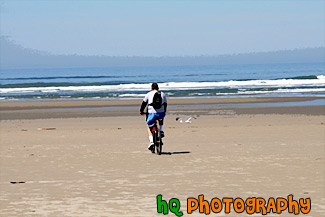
154	86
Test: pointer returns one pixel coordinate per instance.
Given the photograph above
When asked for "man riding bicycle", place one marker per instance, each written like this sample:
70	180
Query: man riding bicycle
157	107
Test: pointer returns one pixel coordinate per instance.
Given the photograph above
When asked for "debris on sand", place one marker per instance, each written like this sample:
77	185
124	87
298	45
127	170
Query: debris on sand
187	119
17	182
47	128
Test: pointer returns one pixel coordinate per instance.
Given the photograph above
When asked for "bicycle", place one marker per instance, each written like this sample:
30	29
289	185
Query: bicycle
156	133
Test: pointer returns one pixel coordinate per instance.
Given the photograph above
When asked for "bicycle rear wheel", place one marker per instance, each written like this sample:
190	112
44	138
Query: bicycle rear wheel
159	141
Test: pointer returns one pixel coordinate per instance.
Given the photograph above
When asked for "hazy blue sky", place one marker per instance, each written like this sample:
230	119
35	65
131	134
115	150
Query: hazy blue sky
163	27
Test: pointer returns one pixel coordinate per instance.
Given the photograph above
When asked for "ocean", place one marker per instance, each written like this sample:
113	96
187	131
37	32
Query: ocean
258	80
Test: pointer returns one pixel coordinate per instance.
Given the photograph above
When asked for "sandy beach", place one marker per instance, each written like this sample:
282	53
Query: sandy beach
57	161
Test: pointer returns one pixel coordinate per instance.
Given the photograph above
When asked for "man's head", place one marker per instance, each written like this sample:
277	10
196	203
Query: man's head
154	86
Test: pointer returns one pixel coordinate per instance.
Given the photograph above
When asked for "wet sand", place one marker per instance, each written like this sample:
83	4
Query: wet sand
116	108
23	105
74	163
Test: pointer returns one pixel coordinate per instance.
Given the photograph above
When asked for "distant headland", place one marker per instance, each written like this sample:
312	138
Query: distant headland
13	56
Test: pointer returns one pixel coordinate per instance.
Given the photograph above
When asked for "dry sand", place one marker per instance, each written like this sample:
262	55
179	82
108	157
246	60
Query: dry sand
99	166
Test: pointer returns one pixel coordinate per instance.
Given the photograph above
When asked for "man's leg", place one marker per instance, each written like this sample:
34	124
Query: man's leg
149	131
150	121
150	136
161	124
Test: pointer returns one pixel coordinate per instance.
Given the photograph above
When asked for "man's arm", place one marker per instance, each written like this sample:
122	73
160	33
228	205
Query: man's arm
165	102
143	106
165	106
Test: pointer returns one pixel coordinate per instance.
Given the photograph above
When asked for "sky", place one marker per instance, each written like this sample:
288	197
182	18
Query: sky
163	28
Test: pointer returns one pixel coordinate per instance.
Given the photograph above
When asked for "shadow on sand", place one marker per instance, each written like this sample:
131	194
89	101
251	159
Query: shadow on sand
177	152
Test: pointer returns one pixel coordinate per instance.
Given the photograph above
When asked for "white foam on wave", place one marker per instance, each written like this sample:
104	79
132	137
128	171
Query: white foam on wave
131	95
320	81
302	90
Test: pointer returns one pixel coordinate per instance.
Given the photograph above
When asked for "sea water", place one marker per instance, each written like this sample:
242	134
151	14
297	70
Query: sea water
258	80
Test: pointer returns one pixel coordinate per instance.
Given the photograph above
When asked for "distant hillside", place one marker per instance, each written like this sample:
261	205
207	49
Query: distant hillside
14	56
